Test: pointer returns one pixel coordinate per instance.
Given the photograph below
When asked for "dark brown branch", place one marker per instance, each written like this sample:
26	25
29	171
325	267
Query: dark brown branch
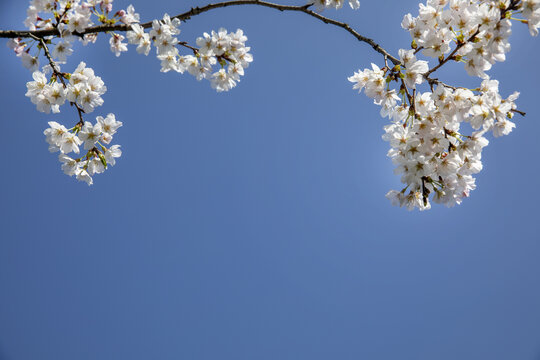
199	10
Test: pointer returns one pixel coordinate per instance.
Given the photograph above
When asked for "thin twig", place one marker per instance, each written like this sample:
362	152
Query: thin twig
185	44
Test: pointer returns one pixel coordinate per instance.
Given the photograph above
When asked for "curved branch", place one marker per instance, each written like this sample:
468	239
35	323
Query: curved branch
199	10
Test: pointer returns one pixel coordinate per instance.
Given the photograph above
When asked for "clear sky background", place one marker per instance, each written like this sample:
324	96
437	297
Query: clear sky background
253	224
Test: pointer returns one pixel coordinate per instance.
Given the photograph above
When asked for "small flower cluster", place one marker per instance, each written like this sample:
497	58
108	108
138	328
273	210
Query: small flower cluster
221	48
45	96
479	30
218	48
226	50
70	18
93	138
432	153
84	88
138	37
73	15
320	5
163	35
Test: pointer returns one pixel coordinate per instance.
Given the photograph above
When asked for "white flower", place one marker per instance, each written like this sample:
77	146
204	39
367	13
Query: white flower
130	16
90	134
205	43
82	175
16	45
354	4
54	135
78	21
70	142
95	166
395	197
503	127
414	73
36	86
62	50
56	95
89	38
408	22
112	153
30	62
222	81
117	46
69	166
138	37
109	124
169	61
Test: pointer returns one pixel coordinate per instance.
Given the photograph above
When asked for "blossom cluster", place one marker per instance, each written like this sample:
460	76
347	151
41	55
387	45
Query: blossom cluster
83	88
220	48
227	51
479	30
429	144
69	17
93	138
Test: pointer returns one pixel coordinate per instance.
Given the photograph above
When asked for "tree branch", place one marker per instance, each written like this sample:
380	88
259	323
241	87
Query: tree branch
199	10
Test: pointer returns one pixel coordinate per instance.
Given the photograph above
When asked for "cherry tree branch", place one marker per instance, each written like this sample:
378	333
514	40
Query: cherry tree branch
199	10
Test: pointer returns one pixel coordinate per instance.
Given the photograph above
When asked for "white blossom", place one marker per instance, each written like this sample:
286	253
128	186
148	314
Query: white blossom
90	134
109	124
62	50
130	16
117	46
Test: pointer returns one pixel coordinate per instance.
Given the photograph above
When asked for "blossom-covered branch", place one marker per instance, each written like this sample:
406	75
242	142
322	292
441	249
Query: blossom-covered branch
437	130
199	10
430	146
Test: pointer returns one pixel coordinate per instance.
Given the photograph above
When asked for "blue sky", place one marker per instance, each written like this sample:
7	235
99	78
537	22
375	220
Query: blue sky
253	224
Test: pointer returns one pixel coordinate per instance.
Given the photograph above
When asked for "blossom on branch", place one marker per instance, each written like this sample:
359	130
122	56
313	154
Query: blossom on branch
437	131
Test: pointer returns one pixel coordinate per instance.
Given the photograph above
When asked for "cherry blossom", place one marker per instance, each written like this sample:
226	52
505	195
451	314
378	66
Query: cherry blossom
430	147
